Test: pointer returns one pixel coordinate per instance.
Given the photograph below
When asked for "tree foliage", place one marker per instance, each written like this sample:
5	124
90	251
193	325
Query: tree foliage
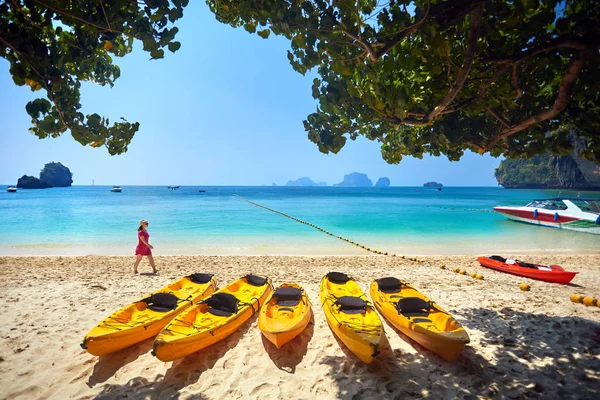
441	77
54	45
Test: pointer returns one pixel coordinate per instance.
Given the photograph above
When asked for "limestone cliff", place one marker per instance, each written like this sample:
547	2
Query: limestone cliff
549	172
355	179
56	175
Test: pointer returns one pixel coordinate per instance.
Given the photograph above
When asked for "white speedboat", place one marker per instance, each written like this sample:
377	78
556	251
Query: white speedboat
575	214
116	189
11	189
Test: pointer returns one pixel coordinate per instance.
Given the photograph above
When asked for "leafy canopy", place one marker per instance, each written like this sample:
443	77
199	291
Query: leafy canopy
440	77
53	45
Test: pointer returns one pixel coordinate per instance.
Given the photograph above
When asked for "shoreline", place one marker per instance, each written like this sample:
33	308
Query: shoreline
523	344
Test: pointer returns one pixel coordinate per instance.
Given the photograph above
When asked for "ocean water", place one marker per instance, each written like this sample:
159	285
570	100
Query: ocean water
404	220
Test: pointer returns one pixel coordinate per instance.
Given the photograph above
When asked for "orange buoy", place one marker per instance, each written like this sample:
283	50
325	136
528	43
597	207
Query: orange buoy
473	275
524	287
442	266
457	270
479	276
576	298
589	301
463	272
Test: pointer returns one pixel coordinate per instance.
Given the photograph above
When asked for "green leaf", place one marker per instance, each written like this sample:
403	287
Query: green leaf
174	46
264	33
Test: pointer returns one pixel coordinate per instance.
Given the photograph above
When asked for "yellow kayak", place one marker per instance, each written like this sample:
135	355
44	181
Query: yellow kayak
285	315
419	318
350	315
145	318
213	319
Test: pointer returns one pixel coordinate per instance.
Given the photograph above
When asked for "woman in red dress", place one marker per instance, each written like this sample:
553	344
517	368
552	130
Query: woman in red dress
143	248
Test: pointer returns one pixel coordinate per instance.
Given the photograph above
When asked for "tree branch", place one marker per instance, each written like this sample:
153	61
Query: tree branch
472	36
105	16
515	80
364	44
390	44
62	12
565	90
499	118
573	42
481	91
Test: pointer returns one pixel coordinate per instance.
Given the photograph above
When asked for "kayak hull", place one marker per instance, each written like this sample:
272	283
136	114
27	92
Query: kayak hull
196	328
361	333
280	324
554	276
438	332
135	323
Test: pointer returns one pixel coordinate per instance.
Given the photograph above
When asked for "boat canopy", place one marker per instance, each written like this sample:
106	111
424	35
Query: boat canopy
557	203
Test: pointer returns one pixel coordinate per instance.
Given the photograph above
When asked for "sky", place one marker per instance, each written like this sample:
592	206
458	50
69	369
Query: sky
226	109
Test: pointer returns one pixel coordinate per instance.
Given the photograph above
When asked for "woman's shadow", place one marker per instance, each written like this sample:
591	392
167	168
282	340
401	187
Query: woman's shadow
291	354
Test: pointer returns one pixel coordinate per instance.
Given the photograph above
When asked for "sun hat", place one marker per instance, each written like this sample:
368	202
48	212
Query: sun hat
144	221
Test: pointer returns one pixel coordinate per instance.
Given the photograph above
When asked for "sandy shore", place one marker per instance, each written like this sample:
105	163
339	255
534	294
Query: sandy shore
534	344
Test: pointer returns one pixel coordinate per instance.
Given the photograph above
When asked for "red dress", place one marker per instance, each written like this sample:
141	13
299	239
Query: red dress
141	248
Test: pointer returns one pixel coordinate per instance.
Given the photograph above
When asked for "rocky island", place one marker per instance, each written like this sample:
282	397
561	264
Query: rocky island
355	179
433	184
52	175
306	181
383	182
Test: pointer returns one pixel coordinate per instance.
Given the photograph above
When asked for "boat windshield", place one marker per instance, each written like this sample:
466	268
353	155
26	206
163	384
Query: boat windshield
587	206
550	204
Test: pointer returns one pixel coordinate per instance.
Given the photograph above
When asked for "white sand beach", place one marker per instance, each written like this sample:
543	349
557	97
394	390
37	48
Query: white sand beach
535	344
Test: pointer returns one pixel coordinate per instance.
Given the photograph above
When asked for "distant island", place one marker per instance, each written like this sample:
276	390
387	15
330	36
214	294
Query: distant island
52	175
433	184
383	182
306	181
548	171
355	179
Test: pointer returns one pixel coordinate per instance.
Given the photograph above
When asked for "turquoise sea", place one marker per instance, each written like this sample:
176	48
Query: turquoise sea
404	220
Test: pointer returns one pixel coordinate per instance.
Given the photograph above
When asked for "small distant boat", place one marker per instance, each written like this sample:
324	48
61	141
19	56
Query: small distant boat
202	191
548	273
574	214
439	189
11	189
172	187
116	189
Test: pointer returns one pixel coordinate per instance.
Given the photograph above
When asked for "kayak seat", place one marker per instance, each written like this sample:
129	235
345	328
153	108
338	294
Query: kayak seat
526	265
287	296
200	278
498	258
286	309
413	307
351	305
338	278
222	304
162	302
389	285
255	280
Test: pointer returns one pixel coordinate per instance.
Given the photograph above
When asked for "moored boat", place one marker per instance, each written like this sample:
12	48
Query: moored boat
575	214
11	189
116	189
548	273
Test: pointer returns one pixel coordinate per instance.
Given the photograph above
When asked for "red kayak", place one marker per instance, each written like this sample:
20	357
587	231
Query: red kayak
548	273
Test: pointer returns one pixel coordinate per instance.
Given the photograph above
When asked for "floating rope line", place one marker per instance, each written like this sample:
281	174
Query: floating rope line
384	253
466	209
